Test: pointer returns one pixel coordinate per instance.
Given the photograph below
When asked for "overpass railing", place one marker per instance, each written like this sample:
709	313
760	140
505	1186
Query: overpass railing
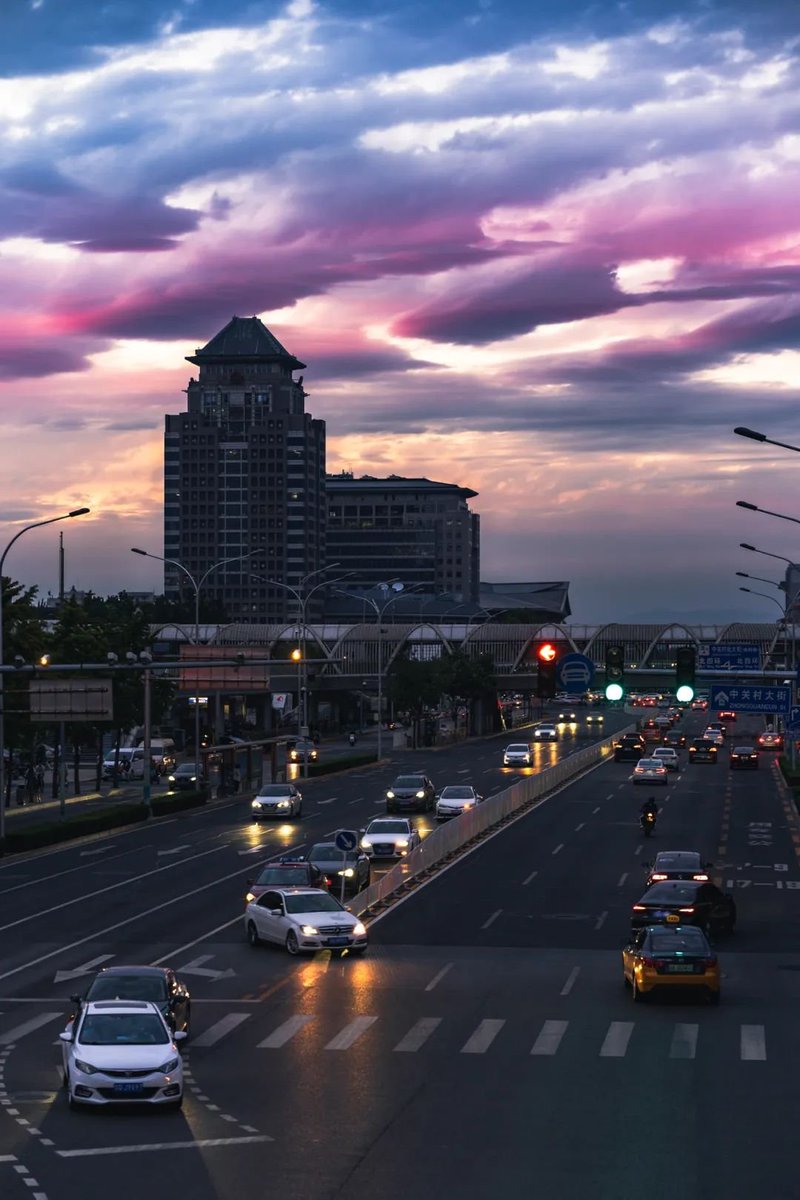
448	839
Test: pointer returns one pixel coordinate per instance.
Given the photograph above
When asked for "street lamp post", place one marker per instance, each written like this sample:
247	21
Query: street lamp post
76	512
761	579
196	584
768	553
755	436
766	511
792	653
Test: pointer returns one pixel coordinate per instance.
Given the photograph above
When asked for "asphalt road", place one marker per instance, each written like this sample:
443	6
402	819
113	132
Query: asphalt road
485	1044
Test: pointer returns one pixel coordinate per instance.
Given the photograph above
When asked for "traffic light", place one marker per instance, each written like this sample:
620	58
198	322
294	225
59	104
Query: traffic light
685	667
546	677
615	672
296	655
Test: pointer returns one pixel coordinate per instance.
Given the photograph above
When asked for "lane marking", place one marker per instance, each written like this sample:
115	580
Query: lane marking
622	878
532	875
418	1035
438	977
490	920
220	1029
19	1031
753	1043
573	975
549	1038
597	810
600	922
639	848
559	847
157	962
579	827
684	1041
615	1043
482	1038
142	1147
280	1036
351	1033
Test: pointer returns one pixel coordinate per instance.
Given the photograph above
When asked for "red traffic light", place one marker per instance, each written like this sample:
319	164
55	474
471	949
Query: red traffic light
547	652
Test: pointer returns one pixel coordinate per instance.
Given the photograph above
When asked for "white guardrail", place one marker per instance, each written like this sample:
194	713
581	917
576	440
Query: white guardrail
458	831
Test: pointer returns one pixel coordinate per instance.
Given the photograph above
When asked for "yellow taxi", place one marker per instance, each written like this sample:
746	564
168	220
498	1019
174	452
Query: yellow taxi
670	956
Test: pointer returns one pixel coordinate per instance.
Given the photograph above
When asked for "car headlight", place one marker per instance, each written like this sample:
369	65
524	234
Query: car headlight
171	778
359	930
402	843
249	898
308	930
366	843
420	795
390	795
85	1067
168	1067
256	804
284	804
468	804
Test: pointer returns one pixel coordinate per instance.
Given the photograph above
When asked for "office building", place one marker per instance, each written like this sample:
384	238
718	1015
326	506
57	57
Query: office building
414	531
244	469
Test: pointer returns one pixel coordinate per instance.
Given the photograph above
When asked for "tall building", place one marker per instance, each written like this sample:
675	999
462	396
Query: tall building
244	469
416	531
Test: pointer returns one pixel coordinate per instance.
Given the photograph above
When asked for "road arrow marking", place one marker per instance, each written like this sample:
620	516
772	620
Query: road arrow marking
175	850
76	972
100	850
195	967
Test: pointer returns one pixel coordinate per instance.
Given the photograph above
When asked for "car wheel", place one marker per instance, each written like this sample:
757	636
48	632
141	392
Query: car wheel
292	944
636	992
252	934
299	812
187	1022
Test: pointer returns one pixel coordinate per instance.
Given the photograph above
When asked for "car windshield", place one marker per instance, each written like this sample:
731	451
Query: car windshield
456	793
744	750
185	769
663	861
517	748
312	902
678	943
671	894
387	827
409	781
328	852
122	1029
283	877
274	789
128	987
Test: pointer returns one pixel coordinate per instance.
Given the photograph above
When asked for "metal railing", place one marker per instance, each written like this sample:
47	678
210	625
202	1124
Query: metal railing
448	838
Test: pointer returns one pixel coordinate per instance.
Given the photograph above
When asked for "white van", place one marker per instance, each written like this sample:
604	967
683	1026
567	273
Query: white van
162	752
130	765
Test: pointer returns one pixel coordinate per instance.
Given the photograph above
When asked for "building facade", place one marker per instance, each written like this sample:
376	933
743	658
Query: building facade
244	475
413	531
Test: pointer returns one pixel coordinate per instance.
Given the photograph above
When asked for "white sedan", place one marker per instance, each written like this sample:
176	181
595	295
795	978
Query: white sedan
545	733
456	799
122	1052
303	920
389	837
669	756
518	754
649	770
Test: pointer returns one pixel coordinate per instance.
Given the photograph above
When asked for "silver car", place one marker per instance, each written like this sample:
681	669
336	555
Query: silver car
456	799
518	754
277	800
389	837
303	920
545	733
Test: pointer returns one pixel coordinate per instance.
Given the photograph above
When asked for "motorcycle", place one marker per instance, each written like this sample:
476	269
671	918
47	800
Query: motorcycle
352	739
647	822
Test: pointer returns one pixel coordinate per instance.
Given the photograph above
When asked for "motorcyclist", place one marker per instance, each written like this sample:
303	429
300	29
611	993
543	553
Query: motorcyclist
649	808
351	737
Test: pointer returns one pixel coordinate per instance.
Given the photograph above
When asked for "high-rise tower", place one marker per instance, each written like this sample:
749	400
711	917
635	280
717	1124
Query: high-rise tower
244	468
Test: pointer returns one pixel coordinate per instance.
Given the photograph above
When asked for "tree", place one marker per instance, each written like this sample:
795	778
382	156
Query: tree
23	637
466	680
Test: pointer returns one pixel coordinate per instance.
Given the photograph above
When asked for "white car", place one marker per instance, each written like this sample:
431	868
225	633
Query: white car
649	770
668	756
456	799
545	733
389	837
714	735
122	1052
518	754
567	714
277	800
303	920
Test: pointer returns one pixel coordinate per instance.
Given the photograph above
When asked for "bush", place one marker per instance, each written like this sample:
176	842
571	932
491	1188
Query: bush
83	824
340	764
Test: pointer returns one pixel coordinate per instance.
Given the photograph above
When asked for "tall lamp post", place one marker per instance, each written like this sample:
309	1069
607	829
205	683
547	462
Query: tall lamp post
792	656
766	511
196	584
768	553
755	436
76	512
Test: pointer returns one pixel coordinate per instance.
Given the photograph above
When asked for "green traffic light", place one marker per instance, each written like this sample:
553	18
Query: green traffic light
684	694
614	691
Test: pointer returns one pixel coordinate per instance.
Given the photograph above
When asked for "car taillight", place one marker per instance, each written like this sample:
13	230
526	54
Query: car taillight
687	910
700	878
640	908
658	878
328	880
710	962
652	962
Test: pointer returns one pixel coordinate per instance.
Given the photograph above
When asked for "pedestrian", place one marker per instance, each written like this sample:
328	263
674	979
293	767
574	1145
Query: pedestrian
39	782
30	783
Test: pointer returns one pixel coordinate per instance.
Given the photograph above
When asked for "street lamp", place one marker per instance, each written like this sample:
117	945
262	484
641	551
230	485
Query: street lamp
766	596
768	553
196	584
760	578
767	511
755	436
76	512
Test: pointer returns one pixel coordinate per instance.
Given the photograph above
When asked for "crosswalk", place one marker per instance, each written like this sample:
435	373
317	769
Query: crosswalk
680	1040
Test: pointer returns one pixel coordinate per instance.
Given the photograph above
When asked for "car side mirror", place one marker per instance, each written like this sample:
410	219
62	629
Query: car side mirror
361	832
76	999
66	1036
179	1035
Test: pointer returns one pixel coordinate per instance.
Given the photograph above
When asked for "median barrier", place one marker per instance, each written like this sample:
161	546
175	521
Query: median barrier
448	839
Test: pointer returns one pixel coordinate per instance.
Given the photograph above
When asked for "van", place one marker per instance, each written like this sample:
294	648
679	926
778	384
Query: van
162	752
131	763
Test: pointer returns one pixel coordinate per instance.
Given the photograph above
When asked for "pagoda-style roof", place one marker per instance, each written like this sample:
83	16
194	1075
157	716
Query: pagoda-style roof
244	340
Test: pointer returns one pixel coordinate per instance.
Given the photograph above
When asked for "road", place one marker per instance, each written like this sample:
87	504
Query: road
484	1045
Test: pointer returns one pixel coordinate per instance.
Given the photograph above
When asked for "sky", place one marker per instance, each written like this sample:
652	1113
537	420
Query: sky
550	251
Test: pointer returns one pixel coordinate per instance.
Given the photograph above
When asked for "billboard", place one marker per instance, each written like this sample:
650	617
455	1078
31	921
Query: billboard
71	700
227	677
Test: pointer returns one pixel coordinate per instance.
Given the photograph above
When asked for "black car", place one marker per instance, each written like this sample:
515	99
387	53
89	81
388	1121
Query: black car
286	872
674	738
331	861
411	792
702	750
631	746
677	864
184	777
158	984
743	758
685	902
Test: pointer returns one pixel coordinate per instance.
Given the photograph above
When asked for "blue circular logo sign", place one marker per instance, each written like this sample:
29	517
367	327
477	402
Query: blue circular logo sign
575	673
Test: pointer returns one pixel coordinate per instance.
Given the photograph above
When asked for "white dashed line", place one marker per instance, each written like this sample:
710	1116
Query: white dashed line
438	977
490	920
622	878
600	922
532	875
573	975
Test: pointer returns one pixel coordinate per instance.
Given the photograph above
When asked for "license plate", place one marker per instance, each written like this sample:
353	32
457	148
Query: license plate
339	941
680	968
673	918
128	1088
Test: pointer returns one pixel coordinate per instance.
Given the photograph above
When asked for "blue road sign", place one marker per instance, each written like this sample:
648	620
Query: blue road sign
792	722
575	673
730	656
749	698
346	839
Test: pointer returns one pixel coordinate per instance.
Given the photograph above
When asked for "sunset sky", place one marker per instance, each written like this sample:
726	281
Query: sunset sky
548	250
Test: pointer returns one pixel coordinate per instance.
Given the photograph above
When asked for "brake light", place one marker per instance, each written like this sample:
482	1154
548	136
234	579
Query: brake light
710	962
640	908
658	878
328	880
686	910
700	878
652	962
